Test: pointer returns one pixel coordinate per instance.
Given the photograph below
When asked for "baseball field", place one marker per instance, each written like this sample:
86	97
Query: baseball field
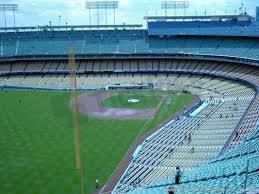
37	143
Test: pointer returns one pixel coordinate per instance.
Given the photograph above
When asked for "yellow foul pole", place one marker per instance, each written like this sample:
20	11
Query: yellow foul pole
75	117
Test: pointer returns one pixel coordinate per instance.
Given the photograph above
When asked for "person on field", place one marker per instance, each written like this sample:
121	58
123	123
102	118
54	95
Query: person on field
178	174
97	184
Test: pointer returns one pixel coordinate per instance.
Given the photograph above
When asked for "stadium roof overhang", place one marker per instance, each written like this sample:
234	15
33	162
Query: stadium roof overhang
26	28
205	17
123	26
70	27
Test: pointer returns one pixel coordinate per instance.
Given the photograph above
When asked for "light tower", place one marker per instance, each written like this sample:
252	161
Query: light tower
257	14
59	20
11	8
174	5
101	5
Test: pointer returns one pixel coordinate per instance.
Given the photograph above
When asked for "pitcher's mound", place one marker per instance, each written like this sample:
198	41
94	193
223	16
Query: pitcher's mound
90	104
133	100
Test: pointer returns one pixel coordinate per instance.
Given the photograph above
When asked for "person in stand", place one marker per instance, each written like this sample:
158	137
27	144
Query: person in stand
192	150
185	137
189	138
237	134
97	184
170	190
178	174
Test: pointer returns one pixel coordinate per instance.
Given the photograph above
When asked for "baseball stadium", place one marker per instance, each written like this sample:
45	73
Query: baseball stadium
166	105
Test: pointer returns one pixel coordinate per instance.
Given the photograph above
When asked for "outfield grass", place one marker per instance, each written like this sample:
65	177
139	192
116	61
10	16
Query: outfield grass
37	149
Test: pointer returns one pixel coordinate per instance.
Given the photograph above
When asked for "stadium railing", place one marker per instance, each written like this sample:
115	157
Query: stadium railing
244	181
224	58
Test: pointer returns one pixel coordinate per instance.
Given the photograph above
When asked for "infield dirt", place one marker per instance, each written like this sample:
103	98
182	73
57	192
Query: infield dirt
90	104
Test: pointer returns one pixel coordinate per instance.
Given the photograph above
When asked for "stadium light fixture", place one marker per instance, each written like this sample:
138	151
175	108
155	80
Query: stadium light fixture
9	7
174	5
101	5
59	20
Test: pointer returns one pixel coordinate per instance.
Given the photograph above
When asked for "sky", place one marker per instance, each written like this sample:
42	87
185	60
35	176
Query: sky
73	12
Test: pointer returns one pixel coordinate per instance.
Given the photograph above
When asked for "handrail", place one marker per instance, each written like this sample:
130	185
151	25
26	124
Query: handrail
250	137
254	131
240	122
240	172
238	186
248	161
246	168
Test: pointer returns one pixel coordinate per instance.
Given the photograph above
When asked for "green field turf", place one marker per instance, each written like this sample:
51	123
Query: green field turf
121	101
36	142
